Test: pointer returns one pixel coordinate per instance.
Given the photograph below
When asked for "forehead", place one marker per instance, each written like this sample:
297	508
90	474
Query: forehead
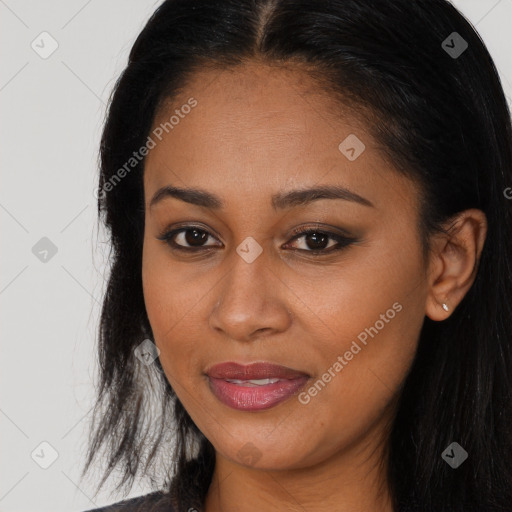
260	128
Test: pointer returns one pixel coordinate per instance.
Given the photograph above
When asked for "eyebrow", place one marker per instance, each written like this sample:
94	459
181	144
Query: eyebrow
279	201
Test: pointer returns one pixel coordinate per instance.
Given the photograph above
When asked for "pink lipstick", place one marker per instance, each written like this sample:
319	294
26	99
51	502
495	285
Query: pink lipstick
255	386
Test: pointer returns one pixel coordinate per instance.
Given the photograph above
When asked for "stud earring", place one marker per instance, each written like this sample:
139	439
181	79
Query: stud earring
445	307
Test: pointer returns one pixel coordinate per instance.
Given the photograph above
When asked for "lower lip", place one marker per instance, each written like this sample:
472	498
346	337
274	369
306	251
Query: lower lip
255	398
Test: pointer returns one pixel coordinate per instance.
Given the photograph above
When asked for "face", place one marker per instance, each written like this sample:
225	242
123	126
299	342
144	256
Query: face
227	277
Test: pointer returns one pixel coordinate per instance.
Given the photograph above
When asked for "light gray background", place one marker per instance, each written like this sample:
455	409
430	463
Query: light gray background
51	116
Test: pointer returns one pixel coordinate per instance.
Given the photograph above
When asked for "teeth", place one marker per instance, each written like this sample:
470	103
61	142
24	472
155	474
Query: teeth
253	382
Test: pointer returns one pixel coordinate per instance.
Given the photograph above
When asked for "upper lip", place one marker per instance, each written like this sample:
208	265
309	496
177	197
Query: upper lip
260	370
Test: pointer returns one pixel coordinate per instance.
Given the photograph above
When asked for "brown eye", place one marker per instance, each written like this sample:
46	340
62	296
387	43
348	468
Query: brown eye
188	238
195	237
317	241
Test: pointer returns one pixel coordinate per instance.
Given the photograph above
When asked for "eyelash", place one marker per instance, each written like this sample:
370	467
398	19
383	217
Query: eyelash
342	241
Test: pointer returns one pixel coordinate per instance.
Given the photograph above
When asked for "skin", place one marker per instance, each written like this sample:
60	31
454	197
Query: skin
257	131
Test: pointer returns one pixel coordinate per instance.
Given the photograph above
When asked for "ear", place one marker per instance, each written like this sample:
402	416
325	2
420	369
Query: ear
453	262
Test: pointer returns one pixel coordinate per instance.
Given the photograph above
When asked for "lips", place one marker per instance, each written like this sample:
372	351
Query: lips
255	386
254	371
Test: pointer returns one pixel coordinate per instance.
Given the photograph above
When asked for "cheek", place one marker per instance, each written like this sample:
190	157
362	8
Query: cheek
342	302
368	333
173	301
159	287
154	287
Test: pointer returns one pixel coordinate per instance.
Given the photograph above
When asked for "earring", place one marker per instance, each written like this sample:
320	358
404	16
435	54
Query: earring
445	307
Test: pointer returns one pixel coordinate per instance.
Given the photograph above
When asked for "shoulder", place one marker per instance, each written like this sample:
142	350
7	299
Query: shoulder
153	502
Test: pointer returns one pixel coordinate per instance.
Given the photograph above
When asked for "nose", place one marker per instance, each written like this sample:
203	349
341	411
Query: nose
251	301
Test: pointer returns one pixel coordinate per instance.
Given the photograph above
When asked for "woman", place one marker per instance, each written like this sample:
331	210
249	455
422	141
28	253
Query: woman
310	285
